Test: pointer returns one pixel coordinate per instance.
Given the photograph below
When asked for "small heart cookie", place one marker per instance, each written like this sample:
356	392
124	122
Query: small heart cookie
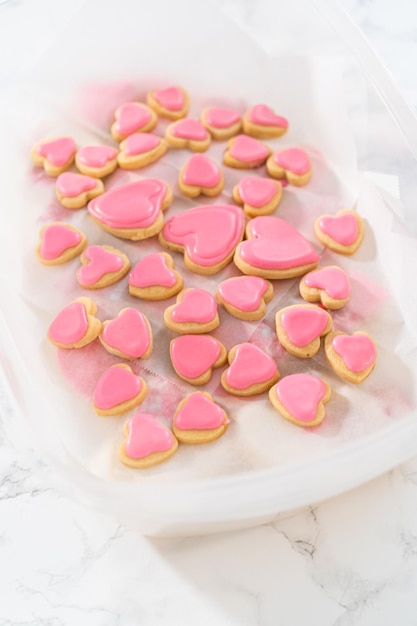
328	285
76	325
59	243
300	398
342	233
75	190
147	442
261	121
198	419
299	328
171	102
96	161
140	150
251	371
352	357
245	297
154	278
128	336
118	390
257	195
245	152
292	165
188	133
221	123
55	155
193	357
194	313
102	266
132	117
200	175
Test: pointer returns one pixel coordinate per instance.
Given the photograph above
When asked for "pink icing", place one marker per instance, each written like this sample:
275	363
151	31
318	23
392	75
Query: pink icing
250	366
199	413
333	280
248	149
70	325
146	436
101	262
243	292
208	233
128	333
221	118
57	238
257	191
201	171
115	386
152	270
131	117
197	306
357	351
189	129
140	143
304	324
96	156
58	151
264	116
135	205
275	244
71	185
300	394
342	228
294	159
171	98
192	355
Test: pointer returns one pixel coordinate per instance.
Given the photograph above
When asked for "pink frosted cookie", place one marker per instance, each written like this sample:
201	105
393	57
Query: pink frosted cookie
292	165
257	195
188	133
300	327
251	371
76	325
132	117
102	266
261	121
128	336
96	161
172	102
300	398
274	249
55	155
139	150
328	285
60	243
245	152
208	236
245	297
198	419
352	357
200	175
342	233
154	278
193	357
195	312
147	442
132	211
75	190
221	123
118	390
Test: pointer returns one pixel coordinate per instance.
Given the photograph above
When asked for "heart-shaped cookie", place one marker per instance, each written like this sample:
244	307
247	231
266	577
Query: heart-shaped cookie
208	235
75	190
96	161
352	357
222	123
251	371
200	175
129	335
194	356
55	155
147	442
188	133
300	326
300	398
102	266
76	325
133	117
171	102
292	165
60	243
132	211
118	390
198	419
259	196
245	297
154	278
245	152
328	285
261	121
195	312
274	249
342	233
140	149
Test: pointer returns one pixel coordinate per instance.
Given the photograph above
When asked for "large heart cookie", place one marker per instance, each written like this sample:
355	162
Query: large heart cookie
129	335
118	390
251	371
154	277
102	266
342	233
200	175
328	285
194	312
147	442
245	297
261	121
194	357
274	249
352	357
300	398
198	419
300	326
76	325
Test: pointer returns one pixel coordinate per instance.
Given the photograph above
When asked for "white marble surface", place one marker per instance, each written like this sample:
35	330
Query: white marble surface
349	561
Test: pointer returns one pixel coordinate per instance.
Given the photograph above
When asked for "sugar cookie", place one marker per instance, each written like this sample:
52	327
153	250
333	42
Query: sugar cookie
132	117
172	102
75	190
188	133
245	152
118	390
195	312
221	123
96	161
194	357
251	371
147	442
352	357
75	325
300	327
342	233
245	297
198	419
292	165
200	175
300	398
102	266
140	150
261	121
55	155
60	243
128	336
257	195
154	278
328	285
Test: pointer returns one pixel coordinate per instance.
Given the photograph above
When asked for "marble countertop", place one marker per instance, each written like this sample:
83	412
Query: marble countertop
351	560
